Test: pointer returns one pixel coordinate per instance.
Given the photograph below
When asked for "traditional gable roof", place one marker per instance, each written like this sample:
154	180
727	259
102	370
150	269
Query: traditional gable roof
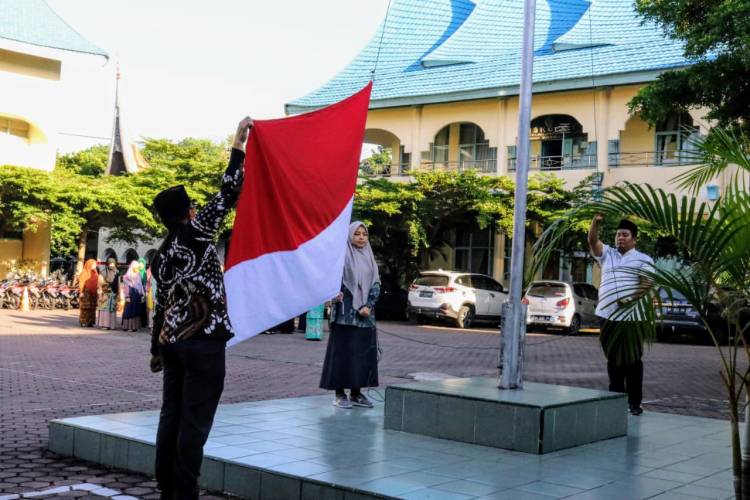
450	50
35	23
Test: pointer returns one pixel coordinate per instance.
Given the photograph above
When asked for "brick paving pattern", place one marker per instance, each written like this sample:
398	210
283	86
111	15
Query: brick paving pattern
50	368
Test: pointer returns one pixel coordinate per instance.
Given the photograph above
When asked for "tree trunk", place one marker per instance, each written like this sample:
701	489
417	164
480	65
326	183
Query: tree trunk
81	250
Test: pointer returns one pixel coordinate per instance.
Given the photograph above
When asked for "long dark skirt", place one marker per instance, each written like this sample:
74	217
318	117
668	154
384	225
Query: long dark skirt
351	358
131	316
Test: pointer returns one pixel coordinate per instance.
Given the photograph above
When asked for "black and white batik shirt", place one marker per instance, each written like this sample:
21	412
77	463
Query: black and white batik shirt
190	298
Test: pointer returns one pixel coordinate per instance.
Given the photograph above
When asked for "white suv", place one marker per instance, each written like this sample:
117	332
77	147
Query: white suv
556	304
462	297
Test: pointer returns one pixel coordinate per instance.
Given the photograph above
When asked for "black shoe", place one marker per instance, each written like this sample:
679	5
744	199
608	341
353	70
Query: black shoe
636	410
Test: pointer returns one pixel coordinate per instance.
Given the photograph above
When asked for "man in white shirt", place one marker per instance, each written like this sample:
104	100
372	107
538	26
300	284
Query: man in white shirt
618	287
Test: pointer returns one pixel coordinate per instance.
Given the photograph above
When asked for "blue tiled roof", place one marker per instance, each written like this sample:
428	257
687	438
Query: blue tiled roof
35	23
443	50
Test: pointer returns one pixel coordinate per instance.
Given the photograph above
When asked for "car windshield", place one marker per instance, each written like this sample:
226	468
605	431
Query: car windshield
432	280
547	290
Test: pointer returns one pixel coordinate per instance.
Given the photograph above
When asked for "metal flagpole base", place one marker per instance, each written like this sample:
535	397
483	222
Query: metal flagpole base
511	352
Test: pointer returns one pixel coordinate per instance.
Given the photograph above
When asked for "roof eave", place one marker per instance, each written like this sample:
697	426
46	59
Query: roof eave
629	78
100	52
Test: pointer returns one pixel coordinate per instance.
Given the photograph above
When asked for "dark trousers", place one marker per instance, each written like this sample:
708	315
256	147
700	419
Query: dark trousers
193	381
623	377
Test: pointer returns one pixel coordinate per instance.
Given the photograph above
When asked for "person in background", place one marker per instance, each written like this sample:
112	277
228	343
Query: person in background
135	298
109	283
314	323
619	286
352	354
150	296
88	289
143	271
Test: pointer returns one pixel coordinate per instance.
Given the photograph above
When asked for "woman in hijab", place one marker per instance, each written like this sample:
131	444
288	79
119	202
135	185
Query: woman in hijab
109	283
352	354
88	287
144	281
132	290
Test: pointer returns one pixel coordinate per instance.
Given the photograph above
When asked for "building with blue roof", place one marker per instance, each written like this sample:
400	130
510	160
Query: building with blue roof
445	97
48	71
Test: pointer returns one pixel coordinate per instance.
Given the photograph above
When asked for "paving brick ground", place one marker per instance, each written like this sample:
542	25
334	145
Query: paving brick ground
51	368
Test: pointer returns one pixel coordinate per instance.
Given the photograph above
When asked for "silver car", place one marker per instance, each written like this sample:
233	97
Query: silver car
559	305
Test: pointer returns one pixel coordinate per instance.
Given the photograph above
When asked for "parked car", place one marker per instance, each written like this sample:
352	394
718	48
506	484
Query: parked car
675	316
561	305
460	297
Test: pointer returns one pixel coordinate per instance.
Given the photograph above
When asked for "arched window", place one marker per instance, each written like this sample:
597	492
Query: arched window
14	127
675	140
440	146
110	254
130	256
558	142
474	150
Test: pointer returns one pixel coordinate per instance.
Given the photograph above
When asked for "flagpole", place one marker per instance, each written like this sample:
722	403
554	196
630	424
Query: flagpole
514	312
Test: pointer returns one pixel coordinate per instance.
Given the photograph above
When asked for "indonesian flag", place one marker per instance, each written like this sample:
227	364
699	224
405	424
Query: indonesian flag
288	243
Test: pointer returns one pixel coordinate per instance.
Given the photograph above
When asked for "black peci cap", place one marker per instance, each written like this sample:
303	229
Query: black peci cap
630	226
172	205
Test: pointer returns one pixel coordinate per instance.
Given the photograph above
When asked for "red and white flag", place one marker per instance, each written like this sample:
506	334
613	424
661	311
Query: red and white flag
288	243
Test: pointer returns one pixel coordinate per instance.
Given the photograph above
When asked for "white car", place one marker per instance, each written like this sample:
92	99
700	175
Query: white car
556	304
461	297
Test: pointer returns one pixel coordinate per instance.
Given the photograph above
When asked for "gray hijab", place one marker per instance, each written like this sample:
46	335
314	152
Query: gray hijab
360	268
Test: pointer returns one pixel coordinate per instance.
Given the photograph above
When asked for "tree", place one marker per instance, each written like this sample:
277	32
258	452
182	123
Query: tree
87	201
91	161
26	198
409	221
714	265
84	203
715	33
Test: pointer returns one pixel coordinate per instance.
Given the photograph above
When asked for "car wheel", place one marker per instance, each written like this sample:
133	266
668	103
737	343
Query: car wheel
465	317
575	325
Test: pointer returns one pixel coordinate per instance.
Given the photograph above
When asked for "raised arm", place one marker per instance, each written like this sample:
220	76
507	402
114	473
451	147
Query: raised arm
209	220
595	244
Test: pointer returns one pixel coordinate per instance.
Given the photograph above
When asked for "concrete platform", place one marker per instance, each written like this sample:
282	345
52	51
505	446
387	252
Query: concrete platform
304	448
541	418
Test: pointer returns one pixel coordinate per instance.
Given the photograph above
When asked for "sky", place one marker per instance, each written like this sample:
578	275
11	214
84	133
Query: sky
194	68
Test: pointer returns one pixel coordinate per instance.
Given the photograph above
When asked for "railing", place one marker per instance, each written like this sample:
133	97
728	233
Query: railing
383	170
556	163
483	166
655	159
403	169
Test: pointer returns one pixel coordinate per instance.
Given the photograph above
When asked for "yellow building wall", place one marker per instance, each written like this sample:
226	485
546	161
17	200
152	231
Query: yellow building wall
29	65
10	250
36	247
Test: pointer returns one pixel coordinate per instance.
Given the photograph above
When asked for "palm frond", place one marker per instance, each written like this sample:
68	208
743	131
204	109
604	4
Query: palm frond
722	148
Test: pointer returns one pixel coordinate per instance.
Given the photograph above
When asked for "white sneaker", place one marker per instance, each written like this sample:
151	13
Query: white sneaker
361	401
342	402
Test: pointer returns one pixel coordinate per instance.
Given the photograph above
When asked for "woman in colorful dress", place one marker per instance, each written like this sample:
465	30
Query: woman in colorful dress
150	296
88	288
135	298
351	360
109	283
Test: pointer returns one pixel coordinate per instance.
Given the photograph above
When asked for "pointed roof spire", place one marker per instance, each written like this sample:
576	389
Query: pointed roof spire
124	156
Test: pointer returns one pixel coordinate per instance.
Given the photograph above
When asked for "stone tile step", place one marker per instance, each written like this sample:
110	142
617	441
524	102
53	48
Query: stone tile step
325	452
